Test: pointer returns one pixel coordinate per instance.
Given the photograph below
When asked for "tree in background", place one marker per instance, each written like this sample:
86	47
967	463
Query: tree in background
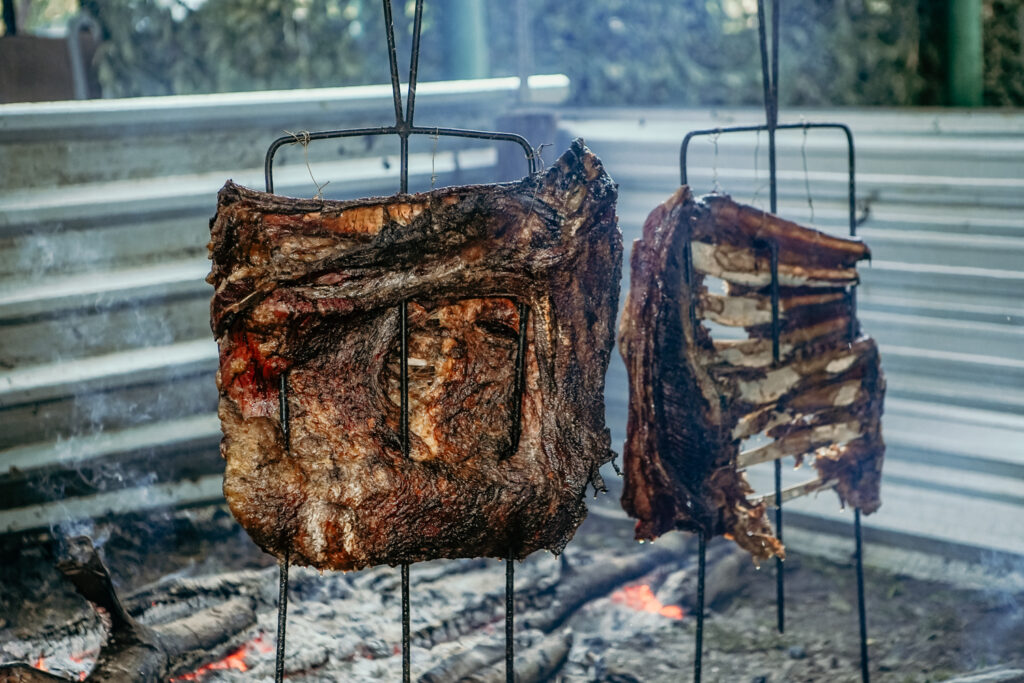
616	52
156	47
693	52
1004	53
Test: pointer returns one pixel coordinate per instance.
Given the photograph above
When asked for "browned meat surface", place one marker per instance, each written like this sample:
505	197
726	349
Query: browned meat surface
311	289
694	399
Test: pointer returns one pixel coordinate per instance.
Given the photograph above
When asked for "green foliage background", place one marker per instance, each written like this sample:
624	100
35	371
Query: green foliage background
616	52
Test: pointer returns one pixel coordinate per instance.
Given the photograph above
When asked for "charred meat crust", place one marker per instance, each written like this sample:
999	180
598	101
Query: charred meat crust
693	399
311	288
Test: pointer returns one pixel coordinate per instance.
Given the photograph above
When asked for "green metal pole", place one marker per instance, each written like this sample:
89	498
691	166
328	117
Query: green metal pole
966	53
464	26
10	22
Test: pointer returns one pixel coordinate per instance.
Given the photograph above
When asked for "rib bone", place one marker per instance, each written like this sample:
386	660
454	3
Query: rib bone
797	491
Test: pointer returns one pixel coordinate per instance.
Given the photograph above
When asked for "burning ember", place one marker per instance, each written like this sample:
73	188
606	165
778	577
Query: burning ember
234	660
642	599
40	664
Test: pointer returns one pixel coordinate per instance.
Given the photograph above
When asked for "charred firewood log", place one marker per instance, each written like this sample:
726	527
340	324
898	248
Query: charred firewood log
134	652
694	398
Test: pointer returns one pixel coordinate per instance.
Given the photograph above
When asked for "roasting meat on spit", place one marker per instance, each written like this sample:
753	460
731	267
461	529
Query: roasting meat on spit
695	399
312	289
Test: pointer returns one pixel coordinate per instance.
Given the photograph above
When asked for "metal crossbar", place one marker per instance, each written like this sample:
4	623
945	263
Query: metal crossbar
404	127
770	82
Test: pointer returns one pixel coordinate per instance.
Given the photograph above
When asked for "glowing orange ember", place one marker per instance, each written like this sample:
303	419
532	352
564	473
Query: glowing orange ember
234	660
642	599
41	663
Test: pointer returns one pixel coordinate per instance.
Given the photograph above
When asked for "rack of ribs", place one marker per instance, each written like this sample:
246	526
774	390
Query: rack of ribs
695	399
311	290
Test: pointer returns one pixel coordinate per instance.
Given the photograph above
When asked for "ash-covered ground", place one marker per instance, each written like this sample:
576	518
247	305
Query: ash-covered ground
346	626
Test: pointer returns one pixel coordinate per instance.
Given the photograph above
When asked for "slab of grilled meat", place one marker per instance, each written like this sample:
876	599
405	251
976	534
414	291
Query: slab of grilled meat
312	289
694	399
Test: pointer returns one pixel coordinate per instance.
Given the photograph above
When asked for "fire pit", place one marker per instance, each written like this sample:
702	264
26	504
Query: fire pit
608	610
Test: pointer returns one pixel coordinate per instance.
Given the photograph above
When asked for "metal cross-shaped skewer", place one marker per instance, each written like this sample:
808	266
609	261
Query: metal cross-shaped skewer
404	128
770	81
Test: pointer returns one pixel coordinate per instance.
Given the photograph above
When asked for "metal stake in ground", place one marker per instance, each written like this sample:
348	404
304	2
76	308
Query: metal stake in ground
404	129
404	433
282	595
780	577
861	612
770	82
282	619
770	78
699	639
510	610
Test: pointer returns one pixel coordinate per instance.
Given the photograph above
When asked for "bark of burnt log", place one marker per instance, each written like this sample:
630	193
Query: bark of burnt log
538	663
135	652
550	610
20	672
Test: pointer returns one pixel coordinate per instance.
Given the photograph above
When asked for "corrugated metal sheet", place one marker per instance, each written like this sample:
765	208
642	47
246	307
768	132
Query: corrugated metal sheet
106	392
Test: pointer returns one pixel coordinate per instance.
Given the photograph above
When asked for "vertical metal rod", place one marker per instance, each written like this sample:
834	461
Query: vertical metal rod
403	377
282	596
524	52
414	63
510	609
852	208
780	576
771	92
776	14
852	181
406	636
699	644
780	566
861	611
404	434
688	274
773	248
519	380
770	83
396	84
282	618
404	164
282	399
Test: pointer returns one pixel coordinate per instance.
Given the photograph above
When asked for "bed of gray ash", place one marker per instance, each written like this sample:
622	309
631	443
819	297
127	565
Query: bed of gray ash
608	610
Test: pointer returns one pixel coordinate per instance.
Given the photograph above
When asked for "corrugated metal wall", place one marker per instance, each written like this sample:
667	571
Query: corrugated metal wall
106	362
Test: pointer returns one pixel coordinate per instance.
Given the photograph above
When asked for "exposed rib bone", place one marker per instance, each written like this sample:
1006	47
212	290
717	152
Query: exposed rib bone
752	269
747	311
757	352
778	382
800	443
836	395
797	491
